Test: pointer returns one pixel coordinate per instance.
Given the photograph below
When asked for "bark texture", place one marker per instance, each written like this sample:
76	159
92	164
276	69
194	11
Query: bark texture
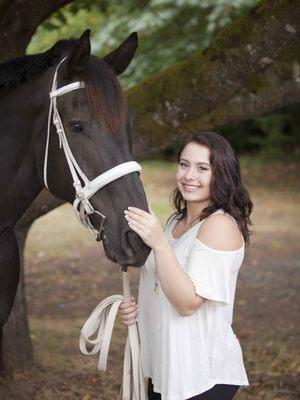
252	67
19	21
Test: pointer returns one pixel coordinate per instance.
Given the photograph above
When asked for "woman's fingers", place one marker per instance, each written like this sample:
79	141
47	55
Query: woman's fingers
128	314
126	310
138	211
127	303
131	216
137	230
135	224
132	317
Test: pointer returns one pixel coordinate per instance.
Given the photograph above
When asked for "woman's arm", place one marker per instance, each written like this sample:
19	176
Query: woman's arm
175	283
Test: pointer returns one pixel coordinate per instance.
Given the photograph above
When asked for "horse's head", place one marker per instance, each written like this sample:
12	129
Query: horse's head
97	125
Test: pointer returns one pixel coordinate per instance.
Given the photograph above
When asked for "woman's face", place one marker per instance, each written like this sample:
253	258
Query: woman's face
194	173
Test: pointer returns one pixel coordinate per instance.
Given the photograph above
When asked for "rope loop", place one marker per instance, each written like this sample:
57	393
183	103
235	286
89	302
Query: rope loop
100	322
96	336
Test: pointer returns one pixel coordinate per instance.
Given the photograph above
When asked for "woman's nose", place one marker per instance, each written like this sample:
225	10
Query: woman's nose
190	174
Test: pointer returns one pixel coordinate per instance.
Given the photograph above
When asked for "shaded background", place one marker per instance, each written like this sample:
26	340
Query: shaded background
66	273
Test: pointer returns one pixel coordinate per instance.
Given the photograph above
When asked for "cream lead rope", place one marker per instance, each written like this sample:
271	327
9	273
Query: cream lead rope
101	322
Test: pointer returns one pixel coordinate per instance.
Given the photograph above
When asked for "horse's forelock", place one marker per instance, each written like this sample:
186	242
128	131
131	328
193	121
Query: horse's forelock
105	94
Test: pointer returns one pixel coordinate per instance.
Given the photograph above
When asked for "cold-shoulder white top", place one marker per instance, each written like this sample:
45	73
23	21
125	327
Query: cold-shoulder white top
187	355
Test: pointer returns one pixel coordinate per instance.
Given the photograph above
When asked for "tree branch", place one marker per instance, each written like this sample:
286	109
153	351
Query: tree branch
275	88
192	94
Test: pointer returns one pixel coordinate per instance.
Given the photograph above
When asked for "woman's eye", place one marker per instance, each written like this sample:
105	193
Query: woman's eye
76	127
203	169
183	164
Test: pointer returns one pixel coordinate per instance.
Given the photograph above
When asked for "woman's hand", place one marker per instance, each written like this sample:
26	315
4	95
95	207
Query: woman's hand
147	226
128	312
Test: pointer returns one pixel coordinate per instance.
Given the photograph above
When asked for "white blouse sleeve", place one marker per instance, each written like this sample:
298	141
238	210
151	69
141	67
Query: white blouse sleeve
211	272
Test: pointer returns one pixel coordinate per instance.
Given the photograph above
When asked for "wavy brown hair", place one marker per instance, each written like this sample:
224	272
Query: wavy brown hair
226	188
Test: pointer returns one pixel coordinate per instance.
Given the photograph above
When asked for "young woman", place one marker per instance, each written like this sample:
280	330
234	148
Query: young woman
187	285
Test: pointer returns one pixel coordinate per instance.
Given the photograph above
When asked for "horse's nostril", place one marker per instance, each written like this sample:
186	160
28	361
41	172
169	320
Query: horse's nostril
130	243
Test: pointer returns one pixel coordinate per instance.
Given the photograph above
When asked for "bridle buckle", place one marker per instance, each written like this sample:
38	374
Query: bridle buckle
98	233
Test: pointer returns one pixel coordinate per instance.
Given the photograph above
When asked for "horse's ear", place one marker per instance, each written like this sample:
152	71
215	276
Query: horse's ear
120	58
79	55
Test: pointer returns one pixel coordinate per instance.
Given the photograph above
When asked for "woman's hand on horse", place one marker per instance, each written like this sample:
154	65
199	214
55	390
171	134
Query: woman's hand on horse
128	312
146	225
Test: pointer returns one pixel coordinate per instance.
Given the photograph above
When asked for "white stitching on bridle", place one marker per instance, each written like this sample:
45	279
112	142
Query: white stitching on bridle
82	207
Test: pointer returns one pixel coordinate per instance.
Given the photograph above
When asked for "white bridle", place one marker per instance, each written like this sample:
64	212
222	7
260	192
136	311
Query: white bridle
82	207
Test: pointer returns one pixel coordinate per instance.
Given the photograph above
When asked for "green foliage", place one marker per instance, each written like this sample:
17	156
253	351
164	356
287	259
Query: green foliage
169	30
66	23
270	135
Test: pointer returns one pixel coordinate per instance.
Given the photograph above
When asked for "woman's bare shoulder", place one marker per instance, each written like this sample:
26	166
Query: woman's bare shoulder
220	232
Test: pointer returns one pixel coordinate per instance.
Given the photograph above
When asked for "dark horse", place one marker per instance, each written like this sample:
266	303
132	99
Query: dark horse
97	123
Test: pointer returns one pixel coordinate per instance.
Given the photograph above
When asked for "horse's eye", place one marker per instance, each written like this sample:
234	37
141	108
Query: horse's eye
76	127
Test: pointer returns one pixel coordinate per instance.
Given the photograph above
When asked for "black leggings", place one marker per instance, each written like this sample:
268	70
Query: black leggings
218	392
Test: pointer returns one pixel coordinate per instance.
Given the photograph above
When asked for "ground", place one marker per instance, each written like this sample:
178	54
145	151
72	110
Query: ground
67	275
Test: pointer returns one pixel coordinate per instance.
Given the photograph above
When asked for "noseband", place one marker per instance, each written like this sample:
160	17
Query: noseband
82	207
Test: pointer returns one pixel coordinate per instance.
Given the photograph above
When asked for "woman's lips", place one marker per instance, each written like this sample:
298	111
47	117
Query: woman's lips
190	188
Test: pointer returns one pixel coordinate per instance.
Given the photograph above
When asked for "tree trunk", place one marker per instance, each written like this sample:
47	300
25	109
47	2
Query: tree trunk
17	346
19	21
252	67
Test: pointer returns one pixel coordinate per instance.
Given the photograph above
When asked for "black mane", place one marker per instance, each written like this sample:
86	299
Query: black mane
21	69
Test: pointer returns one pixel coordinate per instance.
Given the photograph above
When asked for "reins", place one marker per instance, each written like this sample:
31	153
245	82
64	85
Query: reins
101	320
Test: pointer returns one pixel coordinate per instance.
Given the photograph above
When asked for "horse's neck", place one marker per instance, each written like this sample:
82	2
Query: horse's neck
23	125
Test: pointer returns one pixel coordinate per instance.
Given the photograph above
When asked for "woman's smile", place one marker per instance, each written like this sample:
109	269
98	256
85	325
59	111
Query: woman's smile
190	188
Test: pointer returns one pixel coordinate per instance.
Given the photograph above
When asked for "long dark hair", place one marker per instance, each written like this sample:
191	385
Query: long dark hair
226	188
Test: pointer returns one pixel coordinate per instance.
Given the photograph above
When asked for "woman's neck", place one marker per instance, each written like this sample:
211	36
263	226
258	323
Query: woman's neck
194	210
